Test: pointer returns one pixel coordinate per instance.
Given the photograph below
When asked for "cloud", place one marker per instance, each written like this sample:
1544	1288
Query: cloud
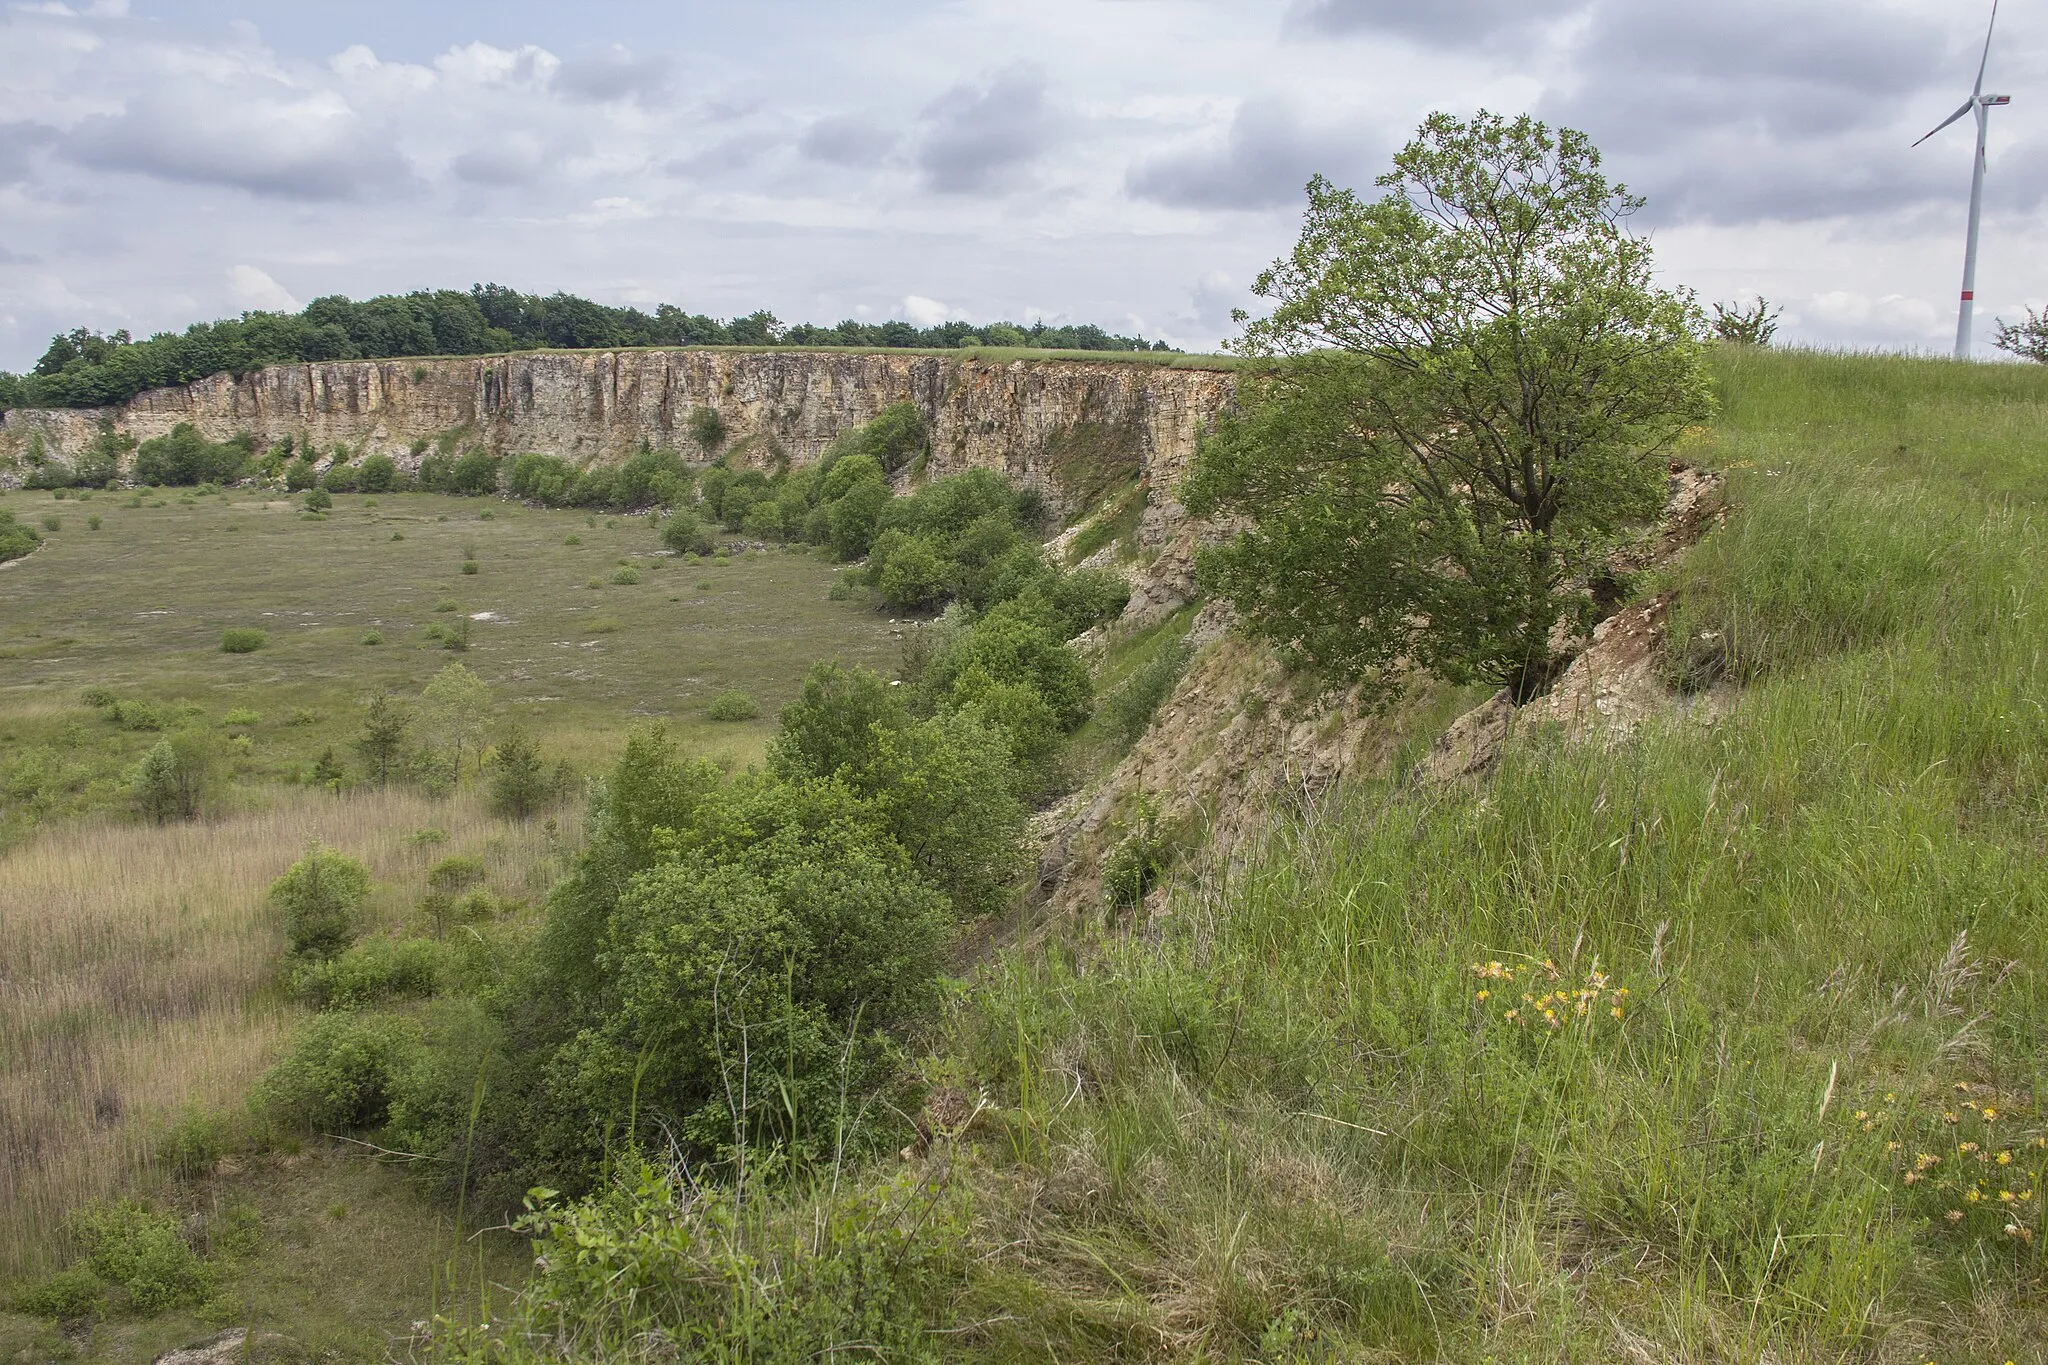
1263	159
1213	297
1435	23
925	312
18	144
515	159
1753	110
256	136
252	288
981	138
848	140
614	73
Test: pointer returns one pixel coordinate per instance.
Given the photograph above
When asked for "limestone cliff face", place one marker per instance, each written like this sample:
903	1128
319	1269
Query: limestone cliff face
1058	424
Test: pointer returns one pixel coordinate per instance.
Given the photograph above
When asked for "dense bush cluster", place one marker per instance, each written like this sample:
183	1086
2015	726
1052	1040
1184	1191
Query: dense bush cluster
647	478
82	368
16	539
735	962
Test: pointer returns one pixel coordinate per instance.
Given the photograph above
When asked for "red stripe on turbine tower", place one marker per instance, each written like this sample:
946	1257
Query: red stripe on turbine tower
1969	293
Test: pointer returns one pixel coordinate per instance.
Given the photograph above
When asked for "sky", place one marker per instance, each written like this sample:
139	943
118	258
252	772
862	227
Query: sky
1132	163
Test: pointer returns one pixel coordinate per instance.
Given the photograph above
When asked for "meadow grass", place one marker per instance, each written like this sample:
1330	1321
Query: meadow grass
138	608
138	976
1284	1123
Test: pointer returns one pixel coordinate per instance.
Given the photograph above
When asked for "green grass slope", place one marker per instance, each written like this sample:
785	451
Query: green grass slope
1309	1119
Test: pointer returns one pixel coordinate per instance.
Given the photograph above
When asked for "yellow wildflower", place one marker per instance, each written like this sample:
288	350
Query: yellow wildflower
2005	1158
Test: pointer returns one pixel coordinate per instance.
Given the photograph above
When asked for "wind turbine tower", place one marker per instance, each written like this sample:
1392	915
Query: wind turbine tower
1981	105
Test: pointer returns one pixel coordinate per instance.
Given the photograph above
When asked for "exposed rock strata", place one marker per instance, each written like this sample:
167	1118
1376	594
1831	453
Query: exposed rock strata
1038	421
1240	738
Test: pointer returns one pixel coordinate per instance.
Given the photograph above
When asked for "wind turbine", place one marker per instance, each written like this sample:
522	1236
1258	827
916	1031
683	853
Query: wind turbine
1980	104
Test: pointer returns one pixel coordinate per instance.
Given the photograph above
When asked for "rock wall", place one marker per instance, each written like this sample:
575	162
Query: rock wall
1058	424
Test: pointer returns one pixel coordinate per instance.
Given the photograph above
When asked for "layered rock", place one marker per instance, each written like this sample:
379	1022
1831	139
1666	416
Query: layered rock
1067	426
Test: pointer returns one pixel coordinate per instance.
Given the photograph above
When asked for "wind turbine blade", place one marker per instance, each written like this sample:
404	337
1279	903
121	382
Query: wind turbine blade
1985	60
1968	105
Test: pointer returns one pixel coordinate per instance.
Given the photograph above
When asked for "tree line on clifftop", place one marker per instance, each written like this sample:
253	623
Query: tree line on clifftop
83	368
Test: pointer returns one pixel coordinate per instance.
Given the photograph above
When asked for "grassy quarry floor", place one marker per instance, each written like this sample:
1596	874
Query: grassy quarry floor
138	606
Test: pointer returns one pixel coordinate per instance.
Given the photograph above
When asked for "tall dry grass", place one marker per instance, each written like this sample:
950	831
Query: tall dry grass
138	970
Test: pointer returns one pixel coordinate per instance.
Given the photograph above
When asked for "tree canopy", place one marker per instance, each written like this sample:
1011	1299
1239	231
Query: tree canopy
82	368
1476	386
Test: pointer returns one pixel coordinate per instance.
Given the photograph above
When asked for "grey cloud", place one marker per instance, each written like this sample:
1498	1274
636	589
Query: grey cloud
741	152
847	140
1757	110
18	144
1263	160
978	138
251	139
614	74
1437	23
512	161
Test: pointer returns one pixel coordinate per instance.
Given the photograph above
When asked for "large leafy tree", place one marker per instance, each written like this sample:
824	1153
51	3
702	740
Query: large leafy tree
1476	385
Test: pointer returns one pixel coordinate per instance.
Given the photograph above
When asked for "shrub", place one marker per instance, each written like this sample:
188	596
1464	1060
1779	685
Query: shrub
520	781
373	637
340	478
192	1142
343	1073
684	534
93	522
469	566
241	718
378	474
327	771
909	573
373	971
16	540
137	715
68	1296
100	698
855	1273
733	705
140	1251
626	576
185	457
1135	865
318	500
300	475
545	479
707	429
447	604
320	897
51	522
242	640
476	473
170	781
